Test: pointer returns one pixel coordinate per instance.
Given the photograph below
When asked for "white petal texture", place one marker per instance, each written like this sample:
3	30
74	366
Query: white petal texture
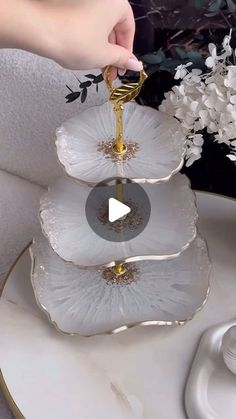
206	100
156	145
82	301
169	231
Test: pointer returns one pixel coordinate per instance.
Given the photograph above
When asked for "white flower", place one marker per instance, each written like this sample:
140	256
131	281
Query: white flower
198	140
194	75
233	99
229	132
181	71
230	79
191	159
226	44
211	62
232	157
194	148
204	118
206	101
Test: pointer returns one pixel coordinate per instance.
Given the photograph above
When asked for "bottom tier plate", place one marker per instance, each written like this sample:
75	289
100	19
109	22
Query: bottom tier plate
133	375
93	301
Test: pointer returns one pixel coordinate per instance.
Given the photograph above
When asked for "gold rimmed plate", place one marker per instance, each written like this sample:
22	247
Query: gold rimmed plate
51	375
95	301
155	145
169	231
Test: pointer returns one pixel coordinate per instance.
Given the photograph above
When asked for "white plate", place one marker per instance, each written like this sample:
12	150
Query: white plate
93	301
157	138
170	228
134	375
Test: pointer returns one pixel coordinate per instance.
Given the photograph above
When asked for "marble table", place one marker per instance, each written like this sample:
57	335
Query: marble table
140	373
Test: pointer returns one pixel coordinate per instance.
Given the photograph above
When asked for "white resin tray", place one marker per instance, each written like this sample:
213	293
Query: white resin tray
155	145
133	375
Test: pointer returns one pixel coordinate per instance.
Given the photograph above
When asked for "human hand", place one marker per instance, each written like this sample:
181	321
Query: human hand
92	33
78	34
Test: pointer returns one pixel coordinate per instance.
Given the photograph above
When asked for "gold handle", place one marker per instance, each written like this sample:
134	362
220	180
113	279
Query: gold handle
142	77
118	96
106	77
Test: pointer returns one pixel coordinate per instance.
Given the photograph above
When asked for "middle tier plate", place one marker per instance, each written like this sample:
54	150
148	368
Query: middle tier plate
155	145
169	231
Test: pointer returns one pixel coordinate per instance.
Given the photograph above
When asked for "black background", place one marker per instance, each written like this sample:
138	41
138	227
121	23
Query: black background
188	25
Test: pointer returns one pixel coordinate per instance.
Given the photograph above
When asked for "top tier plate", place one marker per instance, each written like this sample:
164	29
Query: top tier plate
155	145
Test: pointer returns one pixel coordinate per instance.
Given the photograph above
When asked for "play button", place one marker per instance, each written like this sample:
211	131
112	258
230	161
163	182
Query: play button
117	209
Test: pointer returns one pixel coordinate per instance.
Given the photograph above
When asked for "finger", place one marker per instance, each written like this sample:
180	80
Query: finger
125	30
112	37
112	40
120	57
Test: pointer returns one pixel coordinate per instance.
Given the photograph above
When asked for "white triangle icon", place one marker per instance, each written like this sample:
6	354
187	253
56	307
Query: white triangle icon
117	210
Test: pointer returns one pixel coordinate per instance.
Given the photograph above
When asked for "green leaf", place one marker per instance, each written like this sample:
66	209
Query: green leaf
180	52
197	59
211	14
200	4
84	94
194	56
153	69
215	6
155	58
85	84
98	79
71	97
90	76
170	64
231	5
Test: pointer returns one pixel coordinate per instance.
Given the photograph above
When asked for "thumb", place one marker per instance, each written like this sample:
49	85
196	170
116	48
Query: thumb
121	57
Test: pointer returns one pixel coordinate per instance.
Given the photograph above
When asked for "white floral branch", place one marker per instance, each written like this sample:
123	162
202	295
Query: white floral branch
206	101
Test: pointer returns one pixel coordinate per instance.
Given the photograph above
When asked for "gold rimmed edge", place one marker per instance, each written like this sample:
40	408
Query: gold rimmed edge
6	392
150	181
229	198
9	399
6	276
129	259
14	408
129	326
135	179
137	258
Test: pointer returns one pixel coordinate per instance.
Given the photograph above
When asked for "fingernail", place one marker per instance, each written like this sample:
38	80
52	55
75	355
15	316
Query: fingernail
121	71
134	65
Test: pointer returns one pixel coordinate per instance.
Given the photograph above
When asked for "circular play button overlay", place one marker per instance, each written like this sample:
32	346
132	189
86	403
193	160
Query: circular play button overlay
118	209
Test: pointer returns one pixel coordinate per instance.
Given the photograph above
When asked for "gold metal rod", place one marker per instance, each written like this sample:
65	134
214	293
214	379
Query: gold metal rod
119	145
119	191
119	269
